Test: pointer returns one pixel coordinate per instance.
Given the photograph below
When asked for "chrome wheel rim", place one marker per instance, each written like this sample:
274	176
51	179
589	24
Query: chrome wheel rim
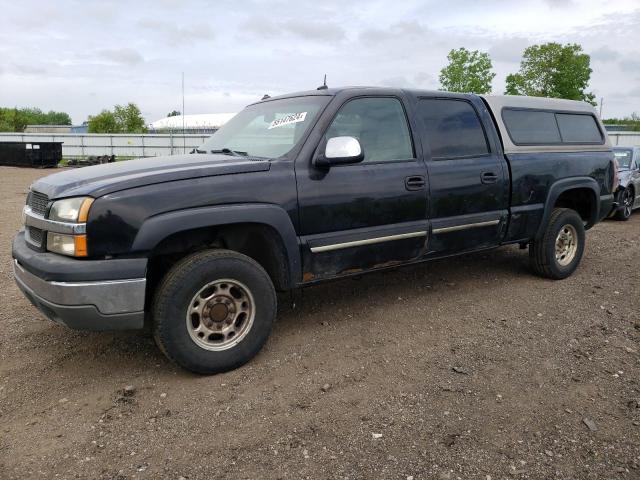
566	245
627	202
220	314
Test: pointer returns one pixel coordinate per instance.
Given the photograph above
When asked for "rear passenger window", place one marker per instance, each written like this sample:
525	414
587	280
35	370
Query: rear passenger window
578	128
453	128
531	127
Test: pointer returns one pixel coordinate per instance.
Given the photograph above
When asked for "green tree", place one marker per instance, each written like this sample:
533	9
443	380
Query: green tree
56	118
16	119
467	71
12	120
553	70
123	119
632	122
174	113
130	118
104	122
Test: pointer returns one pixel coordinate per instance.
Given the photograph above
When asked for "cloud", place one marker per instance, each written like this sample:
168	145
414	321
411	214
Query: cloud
263	27
560	3
509	50
122	56
398	82
23	69
251	47
604	54
421	80
397	32
630	64
178	34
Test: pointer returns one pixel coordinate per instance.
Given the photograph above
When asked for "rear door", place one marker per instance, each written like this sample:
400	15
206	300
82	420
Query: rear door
468	176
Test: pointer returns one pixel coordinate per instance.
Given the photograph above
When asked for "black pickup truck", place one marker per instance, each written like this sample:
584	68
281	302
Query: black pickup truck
303	188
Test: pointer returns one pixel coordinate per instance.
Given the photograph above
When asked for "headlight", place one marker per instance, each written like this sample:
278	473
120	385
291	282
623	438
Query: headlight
73	210
69	210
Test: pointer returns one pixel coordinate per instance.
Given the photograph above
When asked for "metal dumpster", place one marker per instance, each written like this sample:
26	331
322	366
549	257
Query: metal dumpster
30	154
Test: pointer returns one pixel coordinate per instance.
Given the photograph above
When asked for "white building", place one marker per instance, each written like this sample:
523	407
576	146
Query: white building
201	123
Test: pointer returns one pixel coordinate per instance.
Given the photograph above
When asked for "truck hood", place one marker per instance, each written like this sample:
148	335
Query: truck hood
100	180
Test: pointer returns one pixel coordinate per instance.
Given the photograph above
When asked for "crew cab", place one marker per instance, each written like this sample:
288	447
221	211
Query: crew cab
304	188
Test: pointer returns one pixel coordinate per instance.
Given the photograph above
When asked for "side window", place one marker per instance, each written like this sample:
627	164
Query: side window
531	127
453	128
537	127
379	124
575	128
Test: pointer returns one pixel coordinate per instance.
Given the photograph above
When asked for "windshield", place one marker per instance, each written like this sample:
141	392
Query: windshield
623	157
268	129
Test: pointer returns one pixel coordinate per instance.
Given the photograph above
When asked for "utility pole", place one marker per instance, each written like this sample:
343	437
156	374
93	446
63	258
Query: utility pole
601	104
184	139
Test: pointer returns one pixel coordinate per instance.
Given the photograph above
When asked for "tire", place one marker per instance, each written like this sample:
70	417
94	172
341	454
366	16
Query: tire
213	311
626	199
542	252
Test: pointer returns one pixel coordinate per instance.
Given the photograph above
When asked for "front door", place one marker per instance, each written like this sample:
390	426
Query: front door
370	214
468	176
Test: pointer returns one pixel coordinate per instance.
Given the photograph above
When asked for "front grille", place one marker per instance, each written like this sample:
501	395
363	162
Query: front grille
35	236
38	203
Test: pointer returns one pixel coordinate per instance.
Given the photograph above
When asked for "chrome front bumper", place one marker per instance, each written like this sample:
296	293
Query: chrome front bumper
95	305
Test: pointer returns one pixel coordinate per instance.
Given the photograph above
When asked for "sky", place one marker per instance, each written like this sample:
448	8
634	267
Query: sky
85	56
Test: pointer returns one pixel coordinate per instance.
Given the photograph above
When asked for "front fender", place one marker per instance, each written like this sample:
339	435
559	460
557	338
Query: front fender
159	227
562	186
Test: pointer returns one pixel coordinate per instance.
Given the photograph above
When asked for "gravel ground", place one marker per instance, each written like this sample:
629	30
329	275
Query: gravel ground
467	368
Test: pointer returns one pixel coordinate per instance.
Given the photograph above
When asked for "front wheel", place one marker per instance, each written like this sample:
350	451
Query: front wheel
558	253
626	204
213	311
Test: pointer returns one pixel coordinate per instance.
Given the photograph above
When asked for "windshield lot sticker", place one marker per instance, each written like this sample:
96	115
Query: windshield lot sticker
288	120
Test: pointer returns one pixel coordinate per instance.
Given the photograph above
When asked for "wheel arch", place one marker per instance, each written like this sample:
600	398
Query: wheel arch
262	231
578	193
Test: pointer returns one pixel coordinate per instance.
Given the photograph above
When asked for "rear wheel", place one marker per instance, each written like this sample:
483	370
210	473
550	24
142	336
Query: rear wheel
626	204
214	311
558	253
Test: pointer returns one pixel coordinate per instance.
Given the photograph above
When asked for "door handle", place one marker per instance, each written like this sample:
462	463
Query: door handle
488	177
416	182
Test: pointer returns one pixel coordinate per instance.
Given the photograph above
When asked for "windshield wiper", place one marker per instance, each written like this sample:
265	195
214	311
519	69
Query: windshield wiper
228	151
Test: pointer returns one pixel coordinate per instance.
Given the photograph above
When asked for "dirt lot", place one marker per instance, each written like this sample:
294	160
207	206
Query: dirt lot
460	369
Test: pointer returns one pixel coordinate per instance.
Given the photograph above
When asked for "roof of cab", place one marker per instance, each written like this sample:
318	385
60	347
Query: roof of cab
317	92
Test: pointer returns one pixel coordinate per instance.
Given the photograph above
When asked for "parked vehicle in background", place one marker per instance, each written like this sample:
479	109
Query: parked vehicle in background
628	193
304	188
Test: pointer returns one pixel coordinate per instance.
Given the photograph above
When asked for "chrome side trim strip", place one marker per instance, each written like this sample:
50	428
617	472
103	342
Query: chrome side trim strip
368	241
456	228
32	219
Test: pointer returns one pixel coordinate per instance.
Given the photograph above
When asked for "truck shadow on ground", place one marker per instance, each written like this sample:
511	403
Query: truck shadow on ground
324	301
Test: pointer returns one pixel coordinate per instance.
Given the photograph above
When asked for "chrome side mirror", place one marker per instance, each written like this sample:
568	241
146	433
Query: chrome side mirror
340	151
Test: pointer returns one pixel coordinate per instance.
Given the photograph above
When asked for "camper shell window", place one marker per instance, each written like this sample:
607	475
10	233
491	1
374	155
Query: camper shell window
548	127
